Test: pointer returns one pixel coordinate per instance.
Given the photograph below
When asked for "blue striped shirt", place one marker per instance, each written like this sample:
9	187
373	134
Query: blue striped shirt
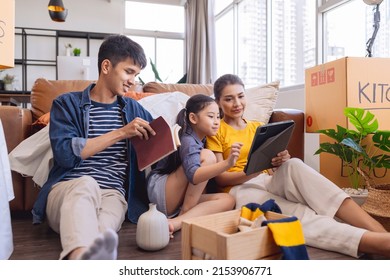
109	166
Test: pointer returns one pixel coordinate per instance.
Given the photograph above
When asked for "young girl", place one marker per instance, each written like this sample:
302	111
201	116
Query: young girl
177	183
297	189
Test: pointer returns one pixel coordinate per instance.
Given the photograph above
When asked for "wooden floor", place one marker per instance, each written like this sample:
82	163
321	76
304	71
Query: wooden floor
39	242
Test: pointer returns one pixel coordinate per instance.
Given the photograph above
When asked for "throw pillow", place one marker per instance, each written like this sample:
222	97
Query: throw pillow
167	105
40	123
136	95
261	102
189	89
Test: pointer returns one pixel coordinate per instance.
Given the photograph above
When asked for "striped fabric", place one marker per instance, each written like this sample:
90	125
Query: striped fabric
287	232
107	167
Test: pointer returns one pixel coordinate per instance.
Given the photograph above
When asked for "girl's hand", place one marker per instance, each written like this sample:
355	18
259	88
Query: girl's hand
280	158
234	153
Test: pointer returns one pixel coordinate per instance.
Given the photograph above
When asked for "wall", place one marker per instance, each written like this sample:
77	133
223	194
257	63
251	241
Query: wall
107	15
294	97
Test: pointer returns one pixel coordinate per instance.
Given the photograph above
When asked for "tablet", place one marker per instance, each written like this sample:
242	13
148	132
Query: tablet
269	140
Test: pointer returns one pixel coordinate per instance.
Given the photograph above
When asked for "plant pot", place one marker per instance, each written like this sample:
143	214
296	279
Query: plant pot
359	195
8	87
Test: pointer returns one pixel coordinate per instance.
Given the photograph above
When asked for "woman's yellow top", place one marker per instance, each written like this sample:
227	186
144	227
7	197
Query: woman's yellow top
226	136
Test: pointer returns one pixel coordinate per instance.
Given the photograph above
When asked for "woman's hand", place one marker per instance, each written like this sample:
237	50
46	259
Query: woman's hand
280	158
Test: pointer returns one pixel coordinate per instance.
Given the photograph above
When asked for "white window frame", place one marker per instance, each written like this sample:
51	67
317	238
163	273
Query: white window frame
159	34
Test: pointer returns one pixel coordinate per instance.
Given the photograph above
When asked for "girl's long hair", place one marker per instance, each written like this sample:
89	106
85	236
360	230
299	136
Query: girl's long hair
195	104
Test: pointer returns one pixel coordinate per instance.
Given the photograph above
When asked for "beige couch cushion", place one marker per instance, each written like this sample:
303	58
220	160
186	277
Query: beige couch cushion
261	102
44	92
189	89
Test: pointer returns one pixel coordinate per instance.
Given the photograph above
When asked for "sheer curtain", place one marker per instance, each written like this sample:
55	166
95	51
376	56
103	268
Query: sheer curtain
200	42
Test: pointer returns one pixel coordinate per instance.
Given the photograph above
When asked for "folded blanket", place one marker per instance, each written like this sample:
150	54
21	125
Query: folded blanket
287	232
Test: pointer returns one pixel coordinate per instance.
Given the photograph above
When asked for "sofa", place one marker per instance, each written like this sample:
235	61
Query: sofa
20	123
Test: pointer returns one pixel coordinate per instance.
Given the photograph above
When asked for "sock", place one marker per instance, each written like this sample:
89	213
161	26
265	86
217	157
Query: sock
104	247
288	235
287	232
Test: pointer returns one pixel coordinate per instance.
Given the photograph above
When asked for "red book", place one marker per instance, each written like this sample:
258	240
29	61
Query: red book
158	146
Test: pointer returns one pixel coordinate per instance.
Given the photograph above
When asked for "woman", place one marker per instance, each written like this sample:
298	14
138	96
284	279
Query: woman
297	189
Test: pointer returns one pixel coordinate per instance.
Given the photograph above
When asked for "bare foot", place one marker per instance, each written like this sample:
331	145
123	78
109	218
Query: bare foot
171	229
104	247
174	225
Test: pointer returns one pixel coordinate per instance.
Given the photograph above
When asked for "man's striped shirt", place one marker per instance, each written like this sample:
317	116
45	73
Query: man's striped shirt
109	166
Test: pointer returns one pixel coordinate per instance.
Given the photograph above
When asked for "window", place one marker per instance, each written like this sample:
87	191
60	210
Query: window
348	28
266	40
159	29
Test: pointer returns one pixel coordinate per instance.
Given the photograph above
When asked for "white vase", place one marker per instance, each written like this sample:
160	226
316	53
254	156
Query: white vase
152	230
8	87
68	51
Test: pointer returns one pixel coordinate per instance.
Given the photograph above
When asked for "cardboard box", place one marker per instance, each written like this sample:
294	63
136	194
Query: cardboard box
332	168
361	82
7	34
217	236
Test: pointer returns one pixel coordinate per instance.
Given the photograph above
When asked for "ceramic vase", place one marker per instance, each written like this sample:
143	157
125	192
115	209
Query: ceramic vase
152	230
8	87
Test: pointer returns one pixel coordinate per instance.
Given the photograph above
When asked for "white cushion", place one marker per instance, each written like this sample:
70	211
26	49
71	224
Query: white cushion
261	102
167	105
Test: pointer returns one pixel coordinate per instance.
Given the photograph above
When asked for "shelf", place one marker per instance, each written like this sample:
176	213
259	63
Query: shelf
82	35
38	36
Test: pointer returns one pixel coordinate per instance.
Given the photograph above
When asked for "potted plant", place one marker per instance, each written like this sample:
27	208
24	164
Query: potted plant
353	147
76	52
8	80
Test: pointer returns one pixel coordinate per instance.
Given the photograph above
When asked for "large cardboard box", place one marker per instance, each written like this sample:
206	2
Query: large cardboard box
362	82
216	236
7	33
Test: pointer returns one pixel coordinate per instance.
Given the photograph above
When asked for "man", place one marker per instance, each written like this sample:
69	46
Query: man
94	166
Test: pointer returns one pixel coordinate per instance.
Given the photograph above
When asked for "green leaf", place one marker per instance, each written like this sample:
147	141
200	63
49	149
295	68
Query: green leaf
381	139
381	161
183	79
363	120
337	135
141	81
336	149
156	74
352	144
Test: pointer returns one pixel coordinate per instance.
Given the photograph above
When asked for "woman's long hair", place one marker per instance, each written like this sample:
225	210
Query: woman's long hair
195	104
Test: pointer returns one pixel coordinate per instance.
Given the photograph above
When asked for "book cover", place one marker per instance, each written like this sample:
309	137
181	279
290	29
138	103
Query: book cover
158	146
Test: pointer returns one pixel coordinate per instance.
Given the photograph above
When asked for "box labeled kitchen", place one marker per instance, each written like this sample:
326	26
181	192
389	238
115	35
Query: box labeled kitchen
361	82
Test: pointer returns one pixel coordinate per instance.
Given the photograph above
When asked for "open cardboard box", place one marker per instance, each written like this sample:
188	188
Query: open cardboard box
217	235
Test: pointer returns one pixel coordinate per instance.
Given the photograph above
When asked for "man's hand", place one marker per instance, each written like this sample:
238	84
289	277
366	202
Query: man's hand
138	127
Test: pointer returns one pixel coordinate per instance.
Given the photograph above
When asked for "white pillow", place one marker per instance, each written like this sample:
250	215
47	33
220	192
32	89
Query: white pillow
167	105
260	102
